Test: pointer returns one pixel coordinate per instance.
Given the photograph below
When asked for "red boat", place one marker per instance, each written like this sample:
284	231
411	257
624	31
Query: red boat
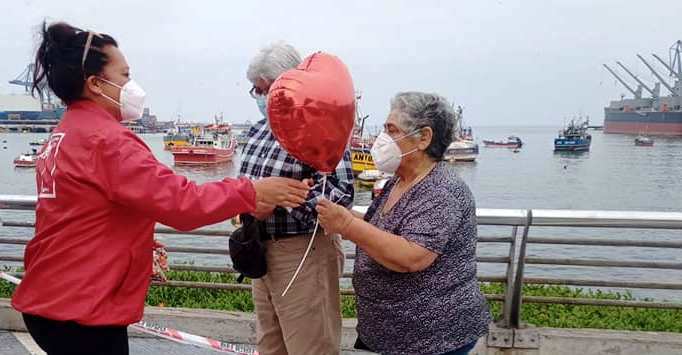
359	142
207	149
27	160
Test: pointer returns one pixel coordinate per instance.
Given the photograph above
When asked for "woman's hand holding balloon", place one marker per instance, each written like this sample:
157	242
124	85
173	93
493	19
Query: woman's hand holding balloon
333	218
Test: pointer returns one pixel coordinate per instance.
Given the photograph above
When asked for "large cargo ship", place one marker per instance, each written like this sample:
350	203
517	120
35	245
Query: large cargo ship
25	107
23	112
653	115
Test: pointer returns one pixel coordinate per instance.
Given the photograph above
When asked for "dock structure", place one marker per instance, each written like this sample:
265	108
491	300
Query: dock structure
510	334
19	126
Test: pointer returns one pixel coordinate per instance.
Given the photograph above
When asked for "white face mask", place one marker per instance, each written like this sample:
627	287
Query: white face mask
386	152
132	99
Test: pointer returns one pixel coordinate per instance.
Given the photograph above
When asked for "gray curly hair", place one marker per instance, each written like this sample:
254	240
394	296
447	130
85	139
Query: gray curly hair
418	110
271	61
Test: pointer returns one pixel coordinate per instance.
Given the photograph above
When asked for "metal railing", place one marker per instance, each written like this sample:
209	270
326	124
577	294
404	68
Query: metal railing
515	260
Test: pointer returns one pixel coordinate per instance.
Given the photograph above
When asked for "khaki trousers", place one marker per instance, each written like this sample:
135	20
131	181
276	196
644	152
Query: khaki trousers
308	319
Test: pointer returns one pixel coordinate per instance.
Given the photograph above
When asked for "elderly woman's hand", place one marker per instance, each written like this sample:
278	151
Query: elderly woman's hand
333	218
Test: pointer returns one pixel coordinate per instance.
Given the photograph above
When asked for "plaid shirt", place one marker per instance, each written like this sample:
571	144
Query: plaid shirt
263	156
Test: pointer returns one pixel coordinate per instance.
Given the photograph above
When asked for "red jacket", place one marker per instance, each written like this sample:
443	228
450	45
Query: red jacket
100	193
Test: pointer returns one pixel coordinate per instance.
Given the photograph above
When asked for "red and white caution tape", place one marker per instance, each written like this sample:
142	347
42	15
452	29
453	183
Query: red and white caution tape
191	339
9	278
174	334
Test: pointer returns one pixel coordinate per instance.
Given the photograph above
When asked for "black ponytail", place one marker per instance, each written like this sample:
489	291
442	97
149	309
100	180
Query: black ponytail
58	62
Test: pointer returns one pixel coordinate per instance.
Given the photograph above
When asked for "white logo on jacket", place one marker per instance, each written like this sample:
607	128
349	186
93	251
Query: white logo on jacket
46	166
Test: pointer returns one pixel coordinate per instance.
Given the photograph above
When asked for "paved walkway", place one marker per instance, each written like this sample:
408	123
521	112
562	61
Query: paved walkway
22	344
9	344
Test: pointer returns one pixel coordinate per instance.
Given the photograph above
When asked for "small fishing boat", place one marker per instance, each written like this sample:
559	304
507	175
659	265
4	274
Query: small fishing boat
510	142
378	187
573	138
26	160
369	177
208	149
644	141
360	145
361	160
242	138
39	143
175	139
461	150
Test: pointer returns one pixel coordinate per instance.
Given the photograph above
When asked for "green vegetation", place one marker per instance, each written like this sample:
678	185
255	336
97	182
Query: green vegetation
5	289
545	315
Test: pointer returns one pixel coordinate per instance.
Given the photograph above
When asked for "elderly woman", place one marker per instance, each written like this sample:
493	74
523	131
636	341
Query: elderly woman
415	270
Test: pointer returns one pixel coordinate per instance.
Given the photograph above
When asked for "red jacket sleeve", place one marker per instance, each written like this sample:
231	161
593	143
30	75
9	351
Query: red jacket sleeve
138	180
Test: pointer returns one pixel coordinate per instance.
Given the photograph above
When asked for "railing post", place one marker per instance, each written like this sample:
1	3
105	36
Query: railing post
515	311
509	287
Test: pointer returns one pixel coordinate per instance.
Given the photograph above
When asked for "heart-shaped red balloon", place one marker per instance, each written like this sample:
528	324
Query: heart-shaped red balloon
311	110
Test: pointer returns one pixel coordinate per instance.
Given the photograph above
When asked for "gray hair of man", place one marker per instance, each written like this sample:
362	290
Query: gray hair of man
271	61
418	110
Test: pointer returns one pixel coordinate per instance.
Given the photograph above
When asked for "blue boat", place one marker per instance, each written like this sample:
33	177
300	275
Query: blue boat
574	138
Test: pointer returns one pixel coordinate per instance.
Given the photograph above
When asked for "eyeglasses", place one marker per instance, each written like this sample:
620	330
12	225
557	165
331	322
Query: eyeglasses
256	91
86	49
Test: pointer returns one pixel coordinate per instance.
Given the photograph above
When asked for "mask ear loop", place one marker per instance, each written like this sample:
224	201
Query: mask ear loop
416	131
310	244
107	97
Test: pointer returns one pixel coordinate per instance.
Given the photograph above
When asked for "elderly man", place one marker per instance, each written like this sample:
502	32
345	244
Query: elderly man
307	320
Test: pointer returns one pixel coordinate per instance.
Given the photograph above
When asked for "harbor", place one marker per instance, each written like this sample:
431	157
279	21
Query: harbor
614	176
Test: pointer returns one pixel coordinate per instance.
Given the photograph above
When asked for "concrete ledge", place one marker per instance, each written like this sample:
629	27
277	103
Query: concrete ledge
233	327
612	342
238	327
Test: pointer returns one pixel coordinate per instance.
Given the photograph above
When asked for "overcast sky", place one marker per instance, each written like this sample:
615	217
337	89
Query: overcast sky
521	62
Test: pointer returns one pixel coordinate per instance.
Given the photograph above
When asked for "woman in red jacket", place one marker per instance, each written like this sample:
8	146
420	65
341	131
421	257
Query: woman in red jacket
100	193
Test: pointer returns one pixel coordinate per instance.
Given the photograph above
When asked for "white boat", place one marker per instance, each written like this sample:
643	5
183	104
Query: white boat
378	187
510	142
644	141
463	147
461	150
372	175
